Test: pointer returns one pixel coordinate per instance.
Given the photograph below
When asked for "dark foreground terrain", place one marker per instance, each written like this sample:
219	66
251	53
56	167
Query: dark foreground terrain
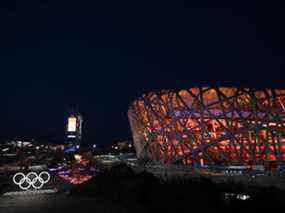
47	203
120	190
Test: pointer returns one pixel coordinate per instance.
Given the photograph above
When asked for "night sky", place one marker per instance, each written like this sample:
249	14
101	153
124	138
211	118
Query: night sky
98	57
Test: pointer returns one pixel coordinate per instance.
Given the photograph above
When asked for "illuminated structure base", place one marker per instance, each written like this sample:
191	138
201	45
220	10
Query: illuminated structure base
32	192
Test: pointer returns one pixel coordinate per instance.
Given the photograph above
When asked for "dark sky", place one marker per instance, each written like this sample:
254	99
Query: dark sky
98	56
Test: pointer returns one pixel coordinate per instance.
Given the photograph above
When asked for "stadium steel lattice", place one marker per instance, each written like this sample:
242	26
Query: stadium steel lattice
210	126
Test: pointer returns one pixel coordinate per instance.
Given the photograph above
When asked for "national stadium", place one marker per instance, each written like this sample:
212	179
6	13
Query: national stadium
210	127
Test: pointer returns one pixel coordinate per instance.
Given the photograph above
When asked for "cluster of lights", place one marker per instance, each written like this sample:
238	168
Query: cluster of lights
78	174
80	159
74	177
229	196
55	168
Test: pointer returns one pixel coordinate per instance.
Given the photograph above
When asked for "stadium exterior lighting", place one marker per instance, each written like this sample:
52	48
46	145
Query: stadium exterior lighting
210	126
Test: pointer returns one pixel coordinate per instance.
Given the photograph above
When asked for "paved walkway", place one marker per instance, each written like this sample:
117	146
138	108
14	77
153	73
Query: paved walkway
47	203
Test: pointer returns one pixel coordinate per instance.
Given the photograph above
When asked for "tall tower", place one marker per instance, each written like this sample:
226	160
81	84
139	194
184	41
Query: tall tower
74	129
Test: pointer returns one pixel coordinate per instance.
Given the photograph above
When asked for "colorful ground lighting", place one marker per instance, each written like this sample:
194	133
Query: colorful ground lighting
77	174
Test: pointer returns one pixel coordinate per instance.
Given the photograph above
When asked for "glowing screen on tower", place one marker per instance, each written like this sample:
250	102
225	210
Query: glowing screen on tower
71	124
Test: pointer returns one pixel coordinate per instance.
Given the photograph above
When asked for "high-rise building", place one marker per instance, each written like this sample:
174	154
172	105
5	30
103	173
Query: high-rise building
74	129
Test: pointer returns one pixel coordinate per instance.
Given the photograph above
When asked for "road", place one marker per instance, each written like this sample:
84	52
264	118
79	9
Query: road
48	203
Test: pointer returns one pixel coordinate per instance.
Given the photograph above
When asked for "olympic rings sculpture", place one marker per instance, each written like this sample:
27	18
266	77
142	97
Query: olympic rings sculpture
32	180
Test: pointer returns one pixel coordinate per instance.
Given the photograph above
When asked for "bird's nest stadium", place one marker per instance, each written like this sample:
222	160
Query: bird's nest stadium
204	126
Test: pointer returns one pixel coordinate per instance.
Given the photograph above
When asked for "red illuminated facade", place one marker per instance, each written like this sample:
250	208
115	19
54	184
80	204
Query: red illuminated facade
210	126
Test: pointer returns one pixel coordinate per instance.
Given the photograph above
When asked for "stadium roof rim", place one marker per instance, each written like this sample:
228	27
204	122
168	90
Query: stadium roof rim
177	90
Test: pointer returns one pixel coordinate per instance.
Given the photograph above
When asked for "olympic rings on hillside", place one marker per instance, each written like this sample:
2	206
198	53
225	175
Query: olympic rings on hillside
31	180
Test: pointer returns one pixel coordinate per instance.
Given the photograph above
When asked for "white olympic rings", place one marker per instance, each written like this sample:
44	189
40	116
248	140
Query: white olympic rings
32	179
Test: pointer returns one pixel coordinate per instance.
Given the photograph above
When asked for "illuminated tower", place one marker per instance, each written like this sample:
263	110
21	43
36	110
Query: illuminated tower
74	129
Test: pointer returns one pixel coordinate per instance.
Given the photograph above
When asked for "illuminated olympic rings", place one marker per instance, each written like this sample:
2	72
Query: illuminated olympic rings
32	179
